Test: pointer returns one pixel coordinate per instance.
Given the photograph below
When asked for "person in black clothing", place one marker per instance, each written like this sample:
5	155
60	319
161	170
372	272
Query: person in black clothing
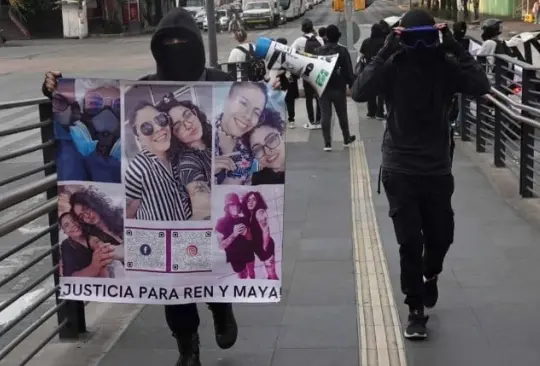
418	82
336	89
177	35
369	49
460	30
289	83
322	34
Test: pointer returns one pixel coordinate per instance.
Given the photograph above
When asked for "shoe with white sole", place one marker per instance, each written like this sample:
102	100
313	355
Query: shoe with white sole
292	125
312	126
327	147
416	327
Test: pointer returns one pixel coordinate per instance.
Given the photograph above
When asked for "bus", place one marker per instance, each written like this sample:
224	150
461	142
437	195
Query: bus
295	9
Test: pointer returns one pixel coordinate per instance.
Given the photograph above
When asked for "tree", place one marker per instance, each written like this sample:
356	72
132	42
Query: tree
476	6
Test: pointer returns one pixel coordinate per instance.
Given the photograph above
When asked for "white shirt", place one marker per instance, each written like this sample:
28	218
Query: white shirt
488	48
237	55
300	43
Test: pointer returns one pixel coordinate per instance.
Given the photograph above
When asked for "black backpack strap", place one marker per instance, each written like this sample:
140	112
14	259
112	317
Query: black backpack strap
273	59
244	51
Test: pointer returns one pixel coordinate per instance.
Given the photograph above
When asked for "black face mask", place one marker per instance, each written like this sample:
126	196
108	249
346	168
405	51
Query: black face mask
181	61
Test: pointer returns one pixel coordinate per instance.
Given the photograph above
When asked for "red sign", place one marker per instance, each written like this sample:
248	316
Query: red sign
130	13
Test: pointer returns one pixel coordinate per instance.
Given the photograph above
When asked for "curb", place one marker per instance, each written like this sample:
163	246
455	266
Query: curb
144	32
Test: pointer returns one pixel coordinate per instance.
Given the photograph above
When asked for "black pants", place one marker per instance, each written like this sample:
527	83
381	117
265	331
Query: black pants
310	93
337	98
421	210
289	102
375	106
184	319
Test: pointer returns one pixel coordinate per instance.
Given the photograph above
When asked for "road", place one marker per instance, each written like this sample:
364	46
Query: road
22	67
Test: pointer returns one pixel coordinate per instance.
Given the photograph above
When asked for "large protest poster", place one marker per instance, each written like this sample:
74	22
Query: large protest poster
170	193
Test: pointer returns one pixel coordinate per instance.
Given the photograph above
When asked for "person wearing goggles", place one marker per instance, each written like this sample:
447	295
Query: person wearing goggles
418	70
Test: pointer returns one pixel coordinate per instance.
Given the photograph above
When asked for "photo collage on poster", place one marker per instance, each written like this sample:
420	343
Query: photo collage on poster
162	179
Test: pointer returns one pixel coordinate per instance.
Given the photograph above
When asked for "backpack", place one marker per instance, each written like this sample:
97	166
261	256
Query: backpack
312	43
256	68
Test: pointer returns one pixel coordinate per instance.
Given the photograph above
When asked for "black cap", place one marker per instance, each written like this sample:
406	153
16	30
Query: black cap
332	33
307	26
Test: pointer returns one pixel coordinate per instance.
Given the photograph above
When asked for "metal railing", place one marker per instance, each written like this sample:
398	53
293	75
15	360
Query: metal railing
506	123
22	188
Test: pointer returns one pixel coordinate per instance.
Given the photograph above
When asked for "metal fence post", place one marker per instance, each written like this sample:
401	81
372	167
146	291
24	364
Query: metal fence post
526	151
463	121
498	146
73	311
480	143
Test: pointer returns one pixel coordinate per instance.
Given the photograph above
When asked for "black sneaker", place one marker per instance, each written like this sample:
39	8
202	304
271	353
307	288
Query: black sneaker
431	292
349	141
370	116
380	117
225	326
416	327
327	147
188	346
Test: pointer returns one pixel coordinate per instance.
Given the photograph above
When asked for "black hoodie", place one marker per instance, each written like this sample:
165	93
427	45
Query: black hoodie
183	61
419	87
374	43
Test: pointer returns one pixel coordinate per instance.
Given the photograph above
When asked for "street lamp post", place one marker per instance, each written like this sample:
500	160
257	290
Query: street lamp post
212	37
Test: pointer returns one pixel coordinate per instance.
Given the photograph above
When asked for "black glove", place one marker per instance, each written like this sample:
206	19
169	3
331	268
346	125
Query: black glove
391	45
449	43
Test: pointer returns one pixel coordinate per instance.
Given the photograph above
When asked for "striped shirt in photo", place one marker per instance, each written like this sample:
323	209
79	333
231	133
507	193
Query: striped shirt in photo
162	197
195	166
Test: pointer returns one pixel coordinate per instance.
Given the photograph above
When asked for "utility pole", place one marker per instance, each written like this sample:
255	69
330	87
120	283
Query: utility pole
349	10
212	37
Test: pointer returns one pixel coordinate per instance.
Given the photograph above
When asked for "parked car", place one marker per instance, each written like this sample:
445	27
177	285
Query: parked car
200	18
258	13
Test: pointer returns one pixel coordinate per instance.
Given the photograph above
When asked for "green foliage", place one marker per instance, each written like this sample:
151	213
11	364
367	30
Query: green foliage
25	7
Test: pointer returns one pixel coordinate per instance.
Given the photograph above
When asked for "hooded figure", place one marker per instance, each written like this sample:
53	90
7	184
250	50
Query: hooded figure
374	43
178	48
460	30
419	82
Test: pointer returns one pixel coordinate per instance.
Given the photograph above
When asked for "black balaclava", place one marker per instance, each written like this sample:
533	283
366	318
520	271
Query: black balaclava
460	29
184	61
419	18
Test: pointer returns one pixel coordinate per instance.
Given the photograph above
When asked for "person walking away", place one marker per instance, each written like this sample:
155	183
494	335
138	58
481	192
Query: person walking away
245	53
369	49
460	30
177	35
241	52
322	34
536	12
336	90
309	42
289	83
418	81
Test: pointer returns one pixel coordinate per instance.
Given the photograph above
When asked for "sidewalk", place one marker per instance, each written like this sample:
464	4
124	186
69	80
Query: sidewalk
488	308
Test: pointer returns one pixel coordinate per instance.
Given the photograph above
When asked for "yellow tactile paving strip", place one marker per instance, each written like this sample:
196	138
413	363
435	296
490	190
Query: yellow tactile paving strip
379	330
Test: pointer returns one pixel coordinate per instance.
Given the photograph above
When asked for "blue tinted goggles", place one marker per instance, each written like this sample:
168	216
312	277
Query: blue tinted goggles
420	37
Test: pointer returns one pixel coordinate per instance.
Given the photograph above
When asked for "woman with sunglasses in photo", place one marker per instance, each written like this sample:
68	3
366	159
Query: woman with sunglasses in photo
267	145
192	146
241	113
255	209
151	180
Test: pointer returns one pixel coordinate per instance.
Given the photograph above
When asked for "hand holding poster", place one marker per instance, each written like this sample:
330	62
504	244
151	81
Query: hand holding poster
170	193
